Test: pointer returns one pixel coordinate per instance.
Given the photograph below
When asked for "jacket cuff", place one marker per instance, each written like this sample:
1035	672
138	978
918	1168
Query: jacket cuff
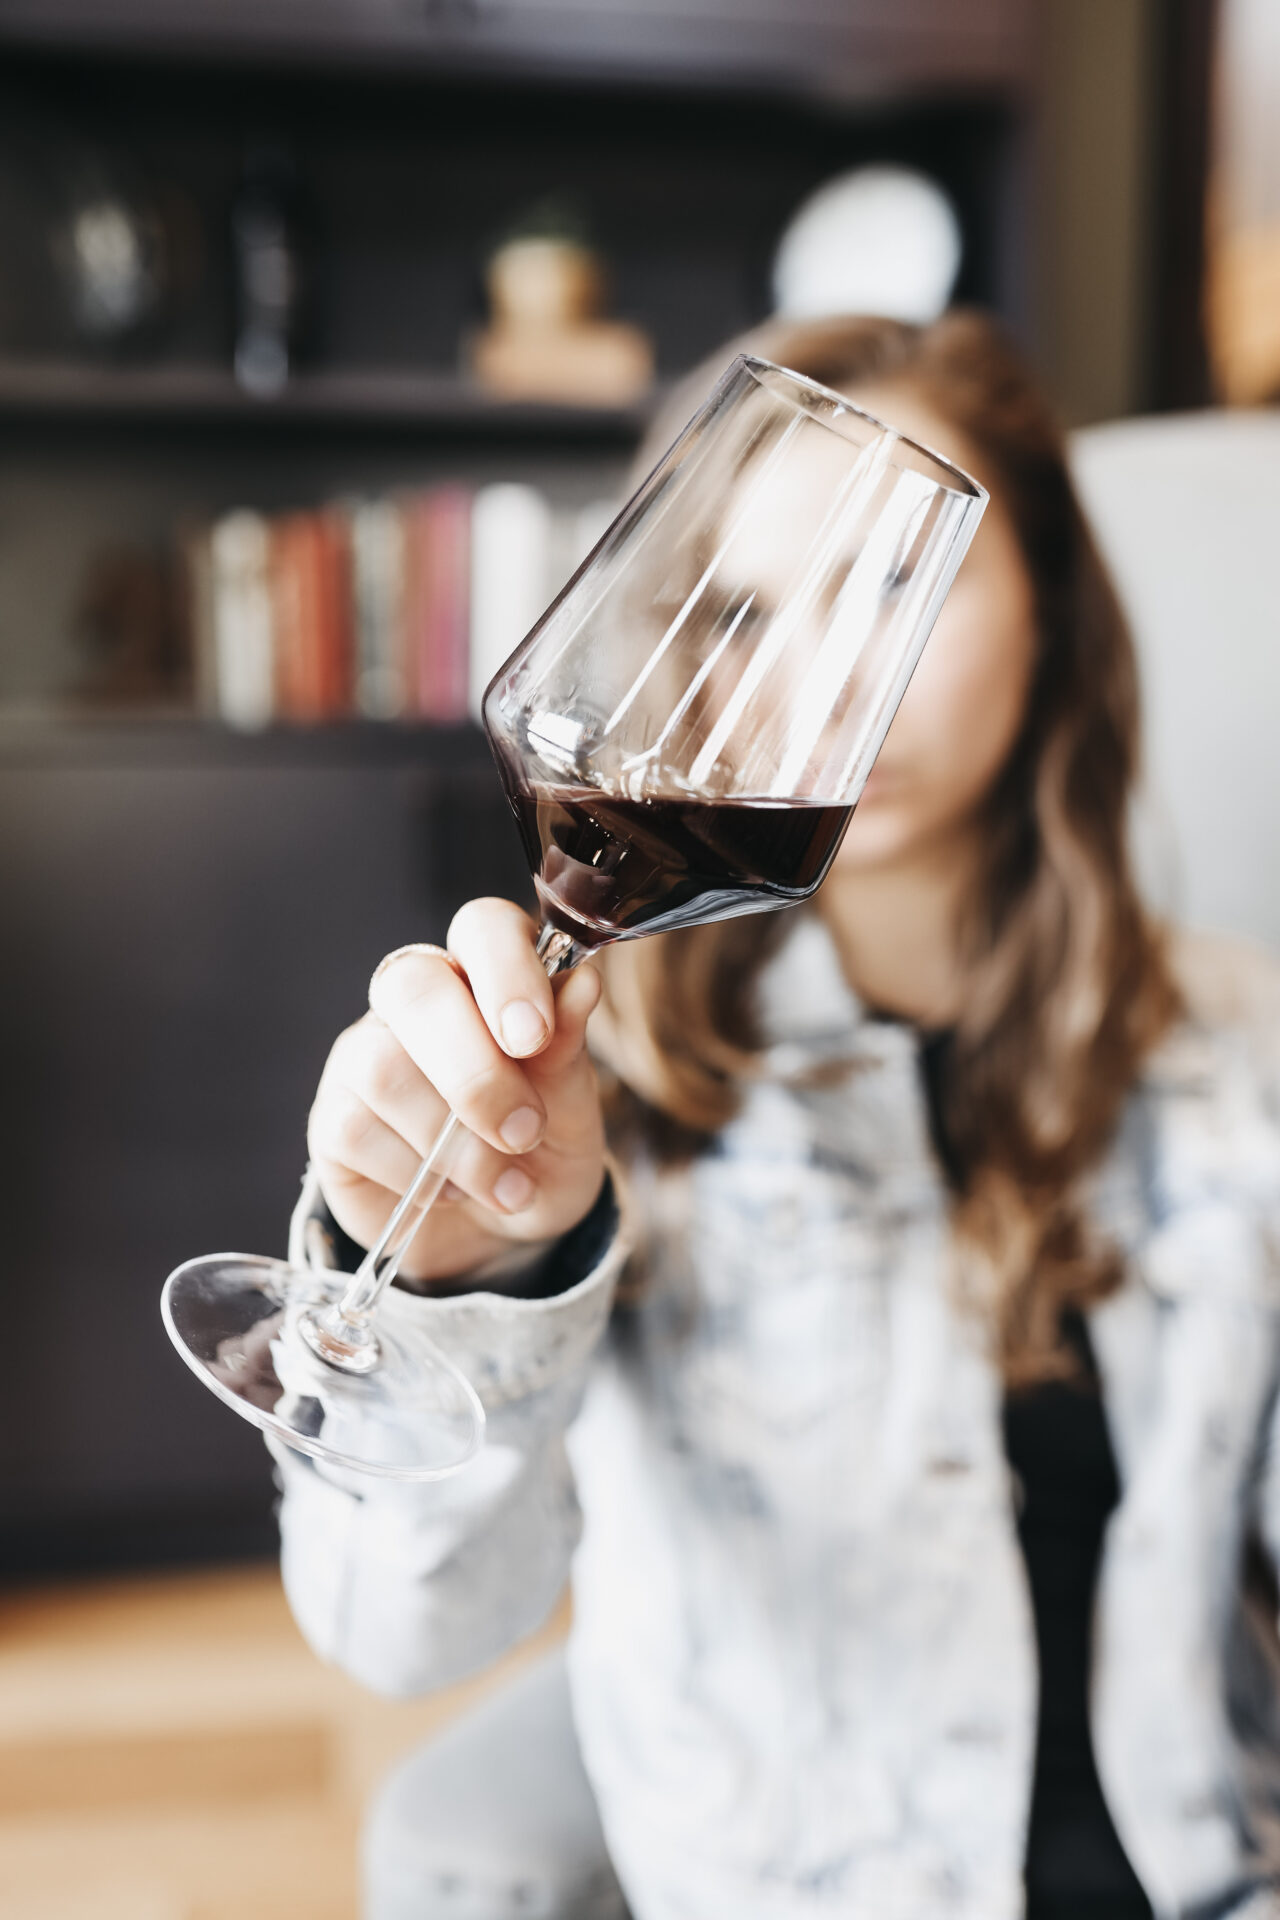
536	1270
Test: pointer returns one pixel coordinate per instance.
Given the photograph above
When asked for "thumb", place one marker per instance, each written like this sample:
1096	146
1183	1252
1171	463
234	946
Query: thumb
577	997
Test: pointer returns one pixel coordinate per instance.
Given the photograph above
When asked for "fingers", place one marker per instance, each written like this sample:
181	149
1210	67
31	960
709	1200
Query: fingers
433	1015
347	1139
495	944
480	1030
376	1115
350	1144
454	1235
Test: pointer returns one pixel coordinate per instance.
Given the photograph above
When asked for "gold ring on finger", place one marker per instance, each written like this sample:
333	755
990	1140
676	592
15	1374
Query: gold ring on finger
398	953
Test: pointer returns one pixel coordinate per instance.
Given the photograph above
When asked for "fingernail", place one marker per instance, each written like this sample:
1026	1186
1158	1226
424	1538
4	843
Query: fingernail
521	1129
523	1027
514	1190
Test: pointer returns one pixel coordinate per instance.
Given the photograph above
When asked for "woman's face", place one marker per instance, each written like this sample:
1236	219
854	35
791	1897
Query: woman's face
962	712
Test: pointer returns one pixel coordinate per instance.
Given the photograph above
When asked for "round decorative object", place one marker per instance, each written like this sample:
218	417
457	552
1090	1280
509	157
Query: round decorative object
882	240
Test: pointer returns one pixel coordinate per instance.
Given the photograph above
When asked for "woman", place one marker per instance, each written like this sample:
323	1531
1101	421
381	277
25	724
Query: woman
927	1466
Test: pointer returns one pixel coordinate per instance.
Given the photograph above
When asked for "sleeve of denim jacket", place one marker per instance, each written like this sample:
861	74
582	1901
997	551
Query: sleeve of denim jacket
410	1587
1220	1171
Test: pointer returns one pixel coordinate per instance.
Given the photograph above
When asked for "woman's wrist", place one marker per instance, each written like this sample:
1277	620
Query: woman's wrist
531	1269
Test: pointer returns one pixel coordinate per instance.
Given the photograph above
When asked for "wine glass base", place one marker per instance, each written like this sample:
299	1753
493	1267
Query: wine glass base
359	1353
240	1322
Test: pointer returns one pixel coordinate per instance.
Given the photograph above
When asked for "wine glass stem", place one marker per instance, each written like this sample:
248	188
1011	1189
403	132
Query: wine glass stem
558	952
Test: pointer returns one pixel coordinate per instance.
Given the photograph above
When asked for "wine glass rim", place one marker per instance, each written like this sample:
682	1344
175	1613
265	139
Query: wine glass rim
962	482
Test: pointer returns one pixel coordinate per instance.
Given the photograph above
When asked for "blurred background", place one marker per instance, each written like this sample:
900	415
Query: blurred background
326	334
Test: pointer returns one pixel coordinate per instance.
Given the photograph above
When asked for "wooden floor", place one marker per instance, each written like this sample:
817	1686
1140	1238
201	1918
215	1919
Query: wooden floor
170	1750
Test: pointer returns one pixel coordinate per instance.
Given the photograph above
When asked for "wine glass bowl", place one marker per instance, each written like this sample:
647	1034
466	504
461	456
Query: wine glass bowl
685	732
682	737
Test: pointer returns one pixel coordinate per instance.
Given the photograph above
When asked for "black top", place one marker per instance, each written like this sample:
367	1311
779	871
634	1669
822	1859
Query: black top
1057	1443
1059	1449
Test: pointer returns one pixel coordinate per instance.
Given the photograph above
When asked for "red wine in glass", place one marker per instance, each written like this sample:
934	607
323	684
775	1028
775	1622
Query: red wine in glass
607	866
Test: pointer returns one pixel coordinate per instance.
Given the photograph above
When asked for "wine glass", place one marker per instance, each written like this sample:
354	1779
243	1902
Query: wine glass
682	737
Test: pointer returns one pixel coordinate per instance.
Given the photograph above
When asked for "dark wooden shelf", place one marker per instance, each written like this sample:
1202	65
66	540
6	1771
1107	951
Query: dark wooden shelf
386	402
169	736
865	51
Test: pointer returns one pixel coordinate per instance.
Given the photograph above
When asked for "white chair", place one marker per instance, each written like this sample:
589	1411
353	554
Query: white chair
1186	508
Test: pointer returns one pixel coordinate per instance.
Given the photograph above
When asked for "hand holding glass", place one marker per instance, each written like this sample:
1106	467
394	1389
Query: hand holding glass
682	737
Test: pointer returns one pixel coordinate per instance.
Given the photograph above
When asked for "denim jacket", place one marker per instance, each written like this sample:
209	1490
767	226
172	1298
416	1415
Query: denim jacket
803	1655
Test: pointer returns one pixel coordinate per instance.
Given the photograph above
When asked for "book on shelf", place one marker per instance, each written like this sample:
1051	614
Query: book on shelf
242	620
438	602
311	614
195	561
378	564
512	533
401	607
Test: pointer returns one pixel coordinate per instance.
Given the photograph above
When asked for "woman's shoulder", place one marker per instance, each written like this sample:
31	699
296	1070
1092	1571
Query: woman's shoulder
1206	1123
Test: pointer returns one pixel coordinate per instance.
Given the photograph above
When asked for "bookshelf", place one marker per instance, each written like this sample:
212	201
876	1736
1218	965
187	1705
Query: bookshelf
191	913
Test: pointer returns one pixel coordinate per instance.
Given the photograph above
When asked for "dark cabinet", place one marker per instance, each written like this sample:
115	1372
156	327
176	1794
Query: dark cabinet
186	921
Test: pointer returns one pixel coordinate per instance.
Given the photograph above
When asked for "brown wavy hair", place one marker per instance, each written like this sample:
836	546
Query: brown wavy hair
1066	983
